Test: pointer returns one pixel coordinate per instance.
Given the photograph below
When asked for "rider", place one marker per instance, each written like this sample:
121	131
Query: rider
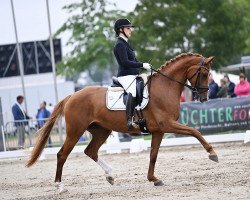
128	65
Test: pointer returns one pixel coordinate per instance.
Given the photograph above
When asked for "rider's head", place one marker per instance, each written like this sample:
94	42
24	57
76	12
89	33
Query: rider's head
123	26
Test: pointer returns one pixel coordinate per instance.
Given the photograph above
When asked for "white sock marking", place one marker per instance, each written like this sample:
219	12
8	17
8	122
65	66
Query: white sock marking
104	166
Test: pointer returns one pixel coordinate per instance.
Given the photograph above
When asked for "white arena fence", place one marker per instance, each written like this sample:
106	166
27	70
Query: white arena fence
57	135
31	127
116	144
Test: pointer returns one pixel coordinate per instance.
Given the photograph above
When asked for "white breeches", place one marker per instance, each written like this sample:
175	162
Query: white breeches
129	83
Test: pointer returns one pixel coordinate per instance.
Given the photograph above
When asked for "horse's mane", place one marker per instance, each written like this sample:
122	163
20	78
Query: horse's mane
167	63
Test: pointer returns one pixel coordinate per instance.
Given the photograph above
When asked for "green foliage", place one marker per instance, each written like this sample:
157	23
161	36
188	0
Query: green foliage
165	28
92	38
214	27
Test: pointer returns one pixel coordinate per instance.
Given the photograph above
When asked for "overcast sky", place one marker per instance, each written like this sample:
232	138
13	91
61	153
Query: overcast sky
31	18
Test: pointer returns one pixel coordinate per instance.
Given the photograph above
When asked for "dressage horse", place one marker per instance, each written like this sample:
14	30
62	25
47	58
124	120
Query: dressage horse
86	110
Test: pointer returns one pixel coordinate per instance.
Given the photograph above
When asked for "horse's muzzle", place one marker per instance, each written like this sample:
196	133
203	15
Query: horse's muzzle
203	98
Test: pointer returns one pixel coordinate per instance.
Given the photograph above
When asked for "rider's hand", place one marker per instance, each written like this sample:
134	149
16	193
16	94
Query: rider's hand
147	66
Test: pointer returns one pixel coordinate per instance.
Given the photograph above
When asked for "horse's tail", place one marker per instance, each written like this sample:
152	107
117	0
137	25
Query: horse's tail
44	132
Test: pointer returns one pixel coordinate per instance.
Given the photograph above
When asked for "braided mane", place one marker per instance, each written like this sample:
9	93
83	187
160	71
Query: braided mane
178	57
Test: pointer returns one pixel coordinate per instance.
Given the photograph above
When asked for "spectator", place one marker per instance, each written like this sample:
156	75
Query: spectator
20	116
182	98
243	87
230	87
213	87
42	115
222	93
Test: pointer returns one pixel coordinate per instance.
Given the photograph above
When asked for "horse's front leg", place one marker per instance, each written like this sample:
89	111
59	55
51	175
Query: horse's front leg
155	145
178	128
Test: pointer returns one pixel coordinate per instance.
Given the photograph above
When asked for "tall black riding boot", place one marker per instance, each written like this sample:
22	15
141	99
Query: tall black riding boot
130	106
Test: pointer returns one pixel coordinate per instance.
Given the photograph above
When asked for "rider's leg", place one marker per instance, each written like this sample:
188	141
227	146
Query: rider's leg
130	107
129	84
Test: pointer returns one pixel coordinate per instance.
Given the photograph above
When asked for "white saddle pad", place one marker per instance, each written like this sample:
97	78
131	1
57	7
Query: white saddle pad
114	99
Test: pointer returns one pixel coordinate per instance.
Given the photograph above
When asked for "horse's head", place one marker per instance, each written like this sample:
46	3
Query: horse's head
197	75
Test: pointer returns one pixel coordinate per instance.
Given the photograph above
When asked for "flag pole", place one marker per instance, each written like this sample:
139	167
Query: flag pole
52	53
19	55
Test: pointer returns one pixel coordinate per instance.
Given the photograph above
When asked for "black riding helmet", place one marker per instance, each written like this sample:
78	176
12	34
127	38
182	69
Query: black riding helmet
121	23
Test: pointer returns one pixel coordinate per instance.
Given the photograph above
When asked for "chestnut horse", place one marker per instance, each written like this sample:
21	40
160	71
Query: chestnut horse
86	110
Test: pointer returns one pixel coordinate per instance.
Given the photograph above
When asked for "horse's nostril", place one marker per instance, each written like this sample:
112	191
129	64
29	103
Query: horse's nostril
203	99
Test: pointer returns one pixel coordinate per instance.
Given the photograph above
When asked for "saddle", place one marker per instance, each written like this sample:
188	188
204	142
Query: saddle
139	89
116	98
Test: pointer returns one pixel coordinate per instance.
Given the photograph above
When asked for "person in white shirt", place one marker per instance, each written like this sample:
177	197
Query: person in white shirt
20	118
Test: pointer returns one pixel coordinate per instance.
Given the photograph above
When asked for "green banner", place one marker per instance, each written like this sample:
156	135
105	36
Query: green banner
217	115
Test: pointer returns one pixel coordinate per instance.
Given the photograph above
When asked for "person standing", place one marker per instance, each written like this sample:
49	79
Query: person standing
230	87
213	87
41	116
19	117
243	87
222	93
128	65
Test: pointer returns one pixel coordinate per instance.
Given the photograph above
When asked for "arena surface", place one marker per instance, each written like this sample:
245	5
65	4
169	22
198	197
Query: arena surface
186	171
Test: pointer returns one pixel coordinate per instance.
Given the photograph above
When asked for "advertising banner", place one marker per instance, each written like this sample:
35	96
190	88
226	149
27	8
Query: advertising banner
217	115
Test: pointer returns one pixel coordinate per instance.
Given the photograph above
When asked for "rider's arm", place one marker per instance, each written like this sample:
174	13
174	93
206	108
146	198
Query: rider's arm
122	53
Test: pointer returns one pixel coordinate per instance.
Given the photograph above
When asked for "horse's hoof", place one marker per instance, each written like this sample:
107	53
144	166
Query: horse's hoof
60	188
158	183
110	179
214	158
63	191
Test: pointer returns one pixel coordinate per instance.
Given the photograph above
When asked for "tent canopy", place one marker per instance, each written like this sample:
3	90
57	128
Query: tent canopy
243	67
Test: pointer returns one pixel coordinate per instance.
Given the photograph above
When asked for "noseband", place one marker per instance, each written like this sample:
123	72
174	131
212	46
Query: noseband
197	89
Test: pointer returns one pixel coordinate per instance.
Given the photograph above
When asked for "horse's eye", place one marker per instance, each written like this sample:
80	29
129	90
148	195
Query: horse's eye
205	75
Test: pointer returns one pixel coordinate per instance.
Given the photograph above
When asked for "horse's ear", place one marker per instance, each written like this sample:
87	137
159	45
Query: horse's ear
209	60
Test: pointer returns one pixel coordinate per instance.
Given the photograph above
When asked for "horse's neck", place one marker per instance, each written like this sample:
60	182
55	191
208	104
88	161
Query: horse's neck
168	84
165	88
178	69
175	76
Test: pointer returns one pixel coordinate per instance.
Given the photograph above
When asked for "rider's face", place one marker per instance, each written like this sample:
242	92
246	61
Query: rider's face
128	31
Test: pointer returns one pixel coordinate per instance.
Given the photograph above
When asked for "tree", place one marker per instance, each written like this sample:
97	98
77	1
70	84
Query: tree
246	21
169	27
225	30
92	38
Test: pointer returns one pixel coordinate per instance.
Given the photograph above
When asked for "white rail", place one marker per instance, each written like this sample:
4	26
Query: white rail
136	145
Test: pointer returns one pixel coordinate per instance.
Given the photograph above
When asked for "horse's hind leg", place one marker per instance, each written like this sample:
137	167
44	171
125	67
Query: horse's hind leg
72	138
99	136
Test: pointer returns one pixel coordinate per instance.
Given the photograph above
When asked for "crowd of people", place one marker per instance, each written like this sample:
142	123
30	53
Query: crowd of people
227	88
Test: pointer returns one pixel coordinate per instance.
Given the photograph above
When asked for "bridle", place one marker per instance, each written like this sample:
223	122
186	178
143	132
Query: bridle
197	89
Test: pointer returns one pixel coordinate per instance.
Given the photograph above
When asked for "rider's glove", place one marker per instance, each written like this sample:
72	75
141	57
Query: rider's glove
147	66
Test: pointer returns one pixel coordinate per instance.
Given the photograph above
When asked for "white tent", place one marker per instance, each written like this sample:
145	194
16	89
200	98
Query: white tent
217	76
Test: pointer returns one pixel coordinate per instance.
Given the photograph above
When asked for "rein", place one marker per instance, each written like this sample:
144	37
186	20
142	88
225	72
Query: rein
172	79
195	89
